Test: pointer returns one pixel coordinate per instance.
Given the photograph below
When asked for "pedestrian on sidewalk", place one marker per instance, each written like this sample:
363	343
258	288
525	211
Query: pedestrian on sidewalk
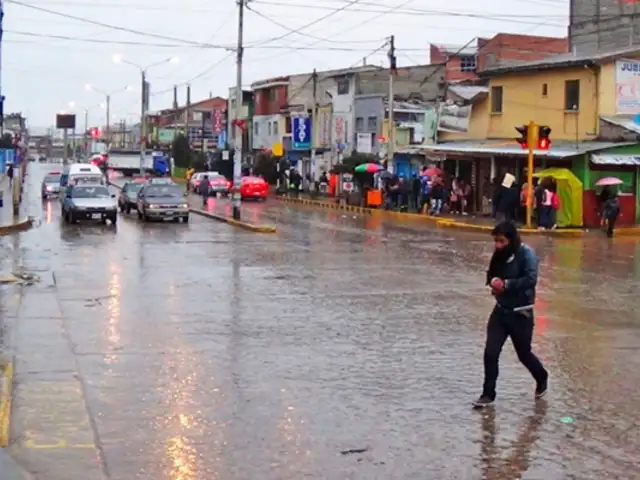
10	174
512	276
416	190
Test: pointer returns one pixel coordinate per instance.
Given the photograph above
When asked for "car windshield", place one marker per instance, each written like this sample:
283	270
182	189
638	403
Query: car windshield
52	179
90	192
87	179
132	187
157	191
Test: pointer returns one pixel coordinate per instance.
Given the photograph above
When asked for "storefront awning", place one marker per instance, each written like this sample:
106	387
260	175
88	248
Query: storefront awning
613	159
559	149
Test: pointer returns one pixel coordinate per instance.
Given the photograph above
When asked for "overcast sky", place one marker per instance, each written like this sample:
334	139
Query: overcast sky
41	74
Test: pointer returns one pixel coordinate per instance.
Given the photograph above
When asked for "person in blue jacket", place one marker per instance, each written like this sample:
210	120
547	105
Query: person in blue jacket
512	276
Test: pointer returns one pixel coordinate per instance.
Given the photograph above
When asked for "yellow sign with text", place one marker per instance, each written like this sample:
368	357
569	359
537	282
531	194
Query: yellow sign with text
277	149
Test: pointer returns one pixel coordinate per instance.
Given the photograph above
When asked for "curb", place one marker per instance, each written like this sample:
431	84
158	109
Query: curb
20	226
5	401
236	223
437	221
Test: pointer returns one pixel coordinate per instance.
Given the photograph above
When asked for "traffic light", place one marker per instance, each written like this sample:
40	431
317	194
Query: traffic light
94	132
543	137
524	136
537	135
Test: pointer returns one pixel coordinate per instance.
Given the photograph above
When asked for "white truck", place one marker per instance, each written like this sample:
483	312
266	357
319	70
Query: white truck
128	162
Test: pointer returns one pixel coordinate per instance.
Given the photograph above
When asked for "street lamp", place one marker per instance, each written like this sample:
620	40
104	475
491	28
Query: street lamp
90	88
144	103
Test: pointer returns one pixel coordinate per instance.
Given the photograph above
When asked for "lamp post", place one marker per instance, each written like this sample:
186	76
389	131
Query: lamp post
144	100
91	88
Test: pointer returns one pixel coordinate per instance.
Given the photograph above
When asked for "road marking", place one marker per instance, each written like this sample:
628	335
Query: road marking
53	416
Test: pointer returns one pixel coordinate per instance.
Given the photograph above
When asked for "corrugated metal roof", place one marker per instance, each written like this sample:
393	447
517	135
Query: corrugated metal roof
624	121
496	147
561	60
468	92
613	159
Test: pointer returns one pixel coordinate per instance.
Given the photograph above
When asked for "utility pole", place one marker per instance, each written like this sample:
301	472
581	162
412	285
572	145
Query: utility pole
107	132
143	121
314	121
237	157
86	127
392	72
187	111
202	140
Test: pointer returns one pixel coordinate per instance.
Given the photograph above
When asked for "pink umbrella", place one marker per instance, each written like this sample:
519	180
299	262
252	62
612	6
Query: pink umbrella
607	181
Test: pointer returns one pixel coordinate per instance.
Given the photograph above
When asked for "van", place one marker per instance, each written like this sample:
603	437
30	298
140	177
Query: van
80	172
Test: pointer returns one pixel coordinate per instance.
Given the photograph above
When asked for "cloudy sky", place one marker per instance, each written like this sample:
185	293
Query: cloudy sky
52	48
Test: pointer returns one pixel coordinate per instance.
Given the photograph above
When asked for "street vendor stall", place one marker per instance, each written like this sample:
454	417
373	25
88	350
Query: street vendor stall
570	192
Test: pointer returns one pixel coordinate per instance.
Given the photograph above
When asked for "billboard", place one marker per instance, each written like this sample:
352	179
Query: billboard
65	121
628	87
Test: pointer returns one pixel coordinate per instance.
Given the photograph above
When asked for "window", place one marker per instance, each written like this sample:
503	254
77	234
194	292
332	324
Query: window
269	123
572	95
343	86
272	95
275	128
496	99
372	124
545	90
468	63
359	124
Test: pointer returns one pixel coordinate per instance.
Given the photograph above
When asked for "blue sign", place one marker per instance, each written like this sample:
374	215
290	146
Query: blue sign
301	133
222	139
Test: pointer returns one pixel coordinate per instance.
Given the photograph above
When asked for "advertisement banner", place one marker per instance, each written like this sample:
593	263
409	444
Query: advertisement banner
364	143
628	87
301	133
166	135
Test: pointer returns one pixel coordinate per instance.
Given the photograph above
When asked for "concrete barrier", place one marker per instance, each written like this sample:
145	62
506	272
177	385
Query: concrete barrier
236	223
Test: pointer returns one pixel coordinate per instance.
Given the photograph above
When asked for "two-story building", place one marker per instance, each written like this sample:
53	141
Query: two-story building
336	94
592	105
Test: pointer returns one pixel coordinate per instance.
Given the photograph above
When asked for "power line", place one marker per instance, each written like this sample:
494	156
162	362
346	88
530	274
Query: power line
113	27
198	76
310	24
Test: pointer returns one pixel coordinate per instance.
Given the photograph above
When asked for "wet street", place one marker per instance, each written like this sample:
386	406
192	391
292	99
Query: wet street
341	347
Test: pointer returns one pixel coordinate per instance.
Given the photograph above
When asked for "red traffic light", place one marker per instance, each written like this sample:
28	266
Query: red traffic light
544	144
94	132
524	135
543	138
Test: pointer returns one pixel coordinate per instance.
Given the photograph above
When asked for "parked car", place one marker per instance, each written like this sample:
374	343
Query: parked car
161	202
128	198
254	187
51	185
89	201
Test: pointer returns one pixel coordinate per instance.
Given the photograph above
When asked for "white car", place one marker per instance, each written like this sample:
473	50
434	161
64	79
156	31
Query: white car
194	183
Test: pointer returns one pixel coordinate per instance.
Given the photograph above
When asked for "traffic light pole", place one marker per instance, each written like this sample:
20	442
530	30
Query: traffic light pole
532	142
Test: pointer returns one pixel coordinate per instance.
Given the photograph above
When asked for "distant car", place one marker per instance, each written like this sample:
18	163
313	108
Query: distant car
254	187
128	198
219	184
89	201
161	202
51	185
194	183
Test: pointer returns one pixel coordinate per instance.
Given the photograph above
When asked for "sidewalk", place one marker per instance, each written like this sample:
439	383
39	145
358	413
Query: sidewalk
468	223
8	223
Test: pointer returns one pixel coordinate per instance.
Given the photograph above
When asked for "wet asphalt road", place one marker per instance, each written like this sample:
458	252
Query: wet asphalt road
202	352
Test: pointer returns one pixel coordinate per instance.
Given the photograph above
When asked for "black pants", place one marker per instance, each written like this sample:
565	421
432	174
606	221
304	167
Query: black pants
502	324
611	225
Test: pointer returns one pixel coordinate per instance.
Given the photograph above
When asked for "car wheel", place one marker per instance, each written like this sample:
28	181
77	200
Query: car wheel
113	219
185	219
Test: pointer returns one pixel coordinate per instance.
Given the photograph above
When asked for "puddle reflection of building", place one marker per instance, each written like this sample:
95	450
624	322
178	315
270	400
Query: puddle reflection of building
494	467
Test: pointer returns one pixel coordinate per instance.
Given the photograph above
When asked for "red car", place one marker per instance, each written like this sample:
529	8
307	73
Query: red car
254	187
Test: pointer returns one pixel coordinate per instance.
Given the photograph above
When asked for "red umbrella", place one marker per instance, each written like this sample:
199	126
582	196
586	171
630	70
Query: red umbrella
432	172
368	168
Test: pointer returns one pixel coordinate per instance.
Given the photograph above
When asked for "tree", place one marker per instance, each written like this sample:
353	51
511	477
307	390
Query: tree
181	151
267	166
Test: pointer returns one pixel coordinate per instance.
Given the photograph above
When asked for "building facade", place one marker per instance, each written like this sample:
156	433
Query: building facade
589	102
462	63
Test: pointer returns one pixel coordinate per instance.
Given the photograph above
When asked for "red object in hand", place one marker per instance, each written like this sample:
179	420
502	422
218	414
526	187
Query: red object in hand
497	284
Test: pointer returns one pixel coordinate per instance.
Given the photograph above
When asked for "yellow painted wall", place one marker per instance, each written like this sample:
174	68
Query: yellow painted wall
523	102
478	124
607	89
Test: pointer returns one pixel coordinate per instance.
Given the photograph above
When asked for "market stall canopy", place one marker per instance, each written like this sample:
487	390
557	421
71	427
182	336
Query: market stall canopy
570	192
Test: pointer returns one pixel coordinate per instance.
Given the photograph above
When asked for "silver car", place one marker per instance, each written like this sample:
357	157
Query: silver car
159	202
51	185
87	201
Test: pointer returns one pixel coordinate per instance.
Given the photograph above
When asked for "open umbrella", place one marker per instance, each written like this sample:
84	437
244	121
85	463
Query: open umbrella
432	172
368	168
606	181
